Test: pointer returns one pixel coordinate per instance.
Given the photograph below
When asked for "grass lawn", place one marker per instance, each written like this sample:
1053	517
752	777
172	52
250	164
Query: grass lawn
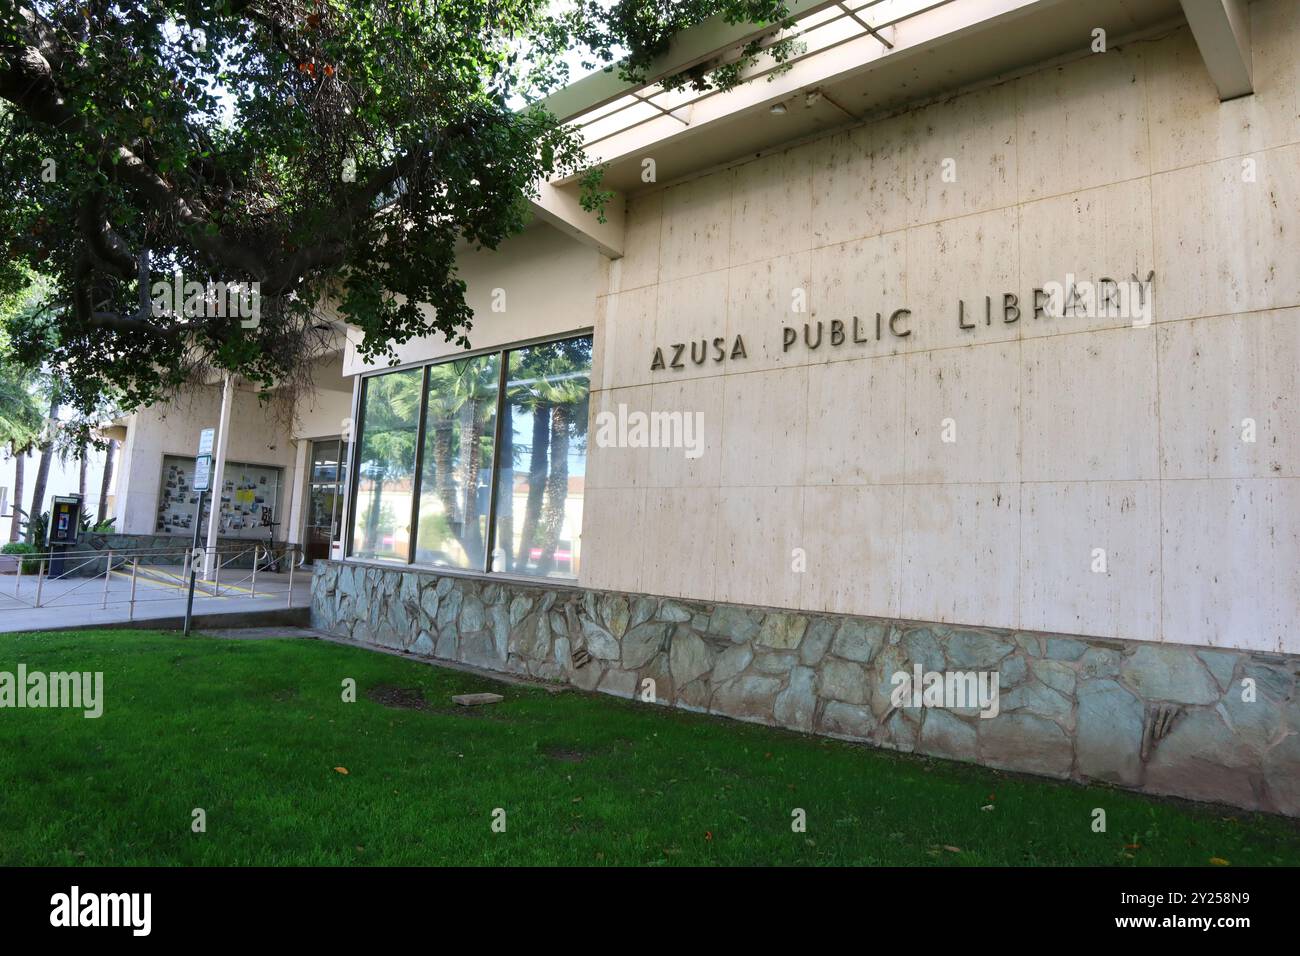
252	731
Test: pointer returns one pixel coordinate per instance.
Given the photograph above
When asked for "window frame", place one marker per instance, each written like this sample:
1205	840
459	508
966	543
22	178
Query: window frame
354	457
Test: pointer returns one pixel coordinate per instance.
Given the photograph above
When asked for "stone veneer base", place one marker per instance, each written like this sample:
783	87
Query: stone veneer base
1161	718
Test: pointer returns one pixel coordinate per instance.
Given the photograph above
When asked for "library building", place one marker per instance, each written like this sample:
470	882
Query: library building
936	389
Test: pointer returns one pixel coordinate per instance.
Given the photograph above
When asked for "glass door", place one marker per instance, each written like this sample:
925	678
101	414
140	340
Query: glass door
324	497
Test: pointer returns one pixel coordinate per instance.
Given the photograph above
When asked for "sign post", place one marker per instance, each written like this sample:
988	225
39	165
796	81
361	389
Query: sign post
202	482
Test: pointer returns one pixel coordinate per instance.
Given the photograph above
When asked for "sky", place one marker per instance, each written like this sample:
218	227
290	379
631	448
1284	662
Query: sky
62	481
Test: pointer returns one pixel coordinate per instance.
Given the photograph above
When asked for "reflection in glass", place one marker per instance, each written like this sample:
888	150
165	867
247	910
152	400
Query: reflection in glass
542	460
390	409
456	473
324	498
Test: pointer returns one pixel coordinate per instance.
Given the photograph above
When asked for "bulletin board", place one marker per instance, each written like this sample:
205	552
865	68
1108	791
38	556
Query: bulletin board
245	491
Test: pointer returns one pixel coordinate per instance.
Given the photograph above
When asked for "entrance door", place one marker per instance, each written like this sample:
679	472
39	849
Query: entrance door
324	497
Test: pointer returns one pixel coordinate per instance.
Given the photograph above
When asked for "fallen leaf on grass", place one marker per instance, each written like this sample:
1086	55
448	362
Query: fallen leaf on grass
952	849
342	770
1219	861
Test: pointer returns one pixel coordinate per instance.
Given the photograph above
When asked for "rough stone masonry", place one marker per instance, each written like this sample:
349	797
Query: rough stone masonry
1161	718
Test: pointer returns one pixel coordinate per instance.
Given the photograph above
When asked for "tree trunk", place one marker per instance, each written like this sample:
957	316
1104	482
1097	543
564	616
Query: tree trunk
15	526
505	485
372	519
104	483
537	467
471	456
557	487
43	470
444	481
81	472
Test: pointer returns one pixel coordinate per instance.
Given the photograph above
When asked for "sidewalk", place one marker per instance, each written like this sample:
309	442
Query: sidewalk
159	595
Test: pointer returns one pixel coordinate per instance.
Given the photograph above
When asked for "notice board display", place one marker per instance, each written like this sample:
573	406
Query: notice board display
246	490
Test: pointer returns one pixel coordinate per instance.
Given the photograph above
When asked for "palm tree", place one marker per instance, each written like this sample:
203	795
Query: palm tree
21	419
43	469
82	453
20	430
104	483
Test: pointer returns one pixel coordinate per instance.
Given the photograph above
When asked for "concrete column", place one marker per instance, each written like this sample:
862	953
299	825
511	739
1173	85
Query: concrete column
124	466
218	475
298	493
349	436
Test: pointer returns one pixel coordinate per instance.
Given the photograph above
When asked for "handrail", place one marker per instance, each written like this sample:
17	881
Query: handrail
75	551
171	576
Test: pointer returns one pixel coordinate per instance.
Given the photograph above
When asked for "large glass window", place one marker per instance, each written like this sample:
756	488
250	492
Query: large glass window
385	477
543	459
454	472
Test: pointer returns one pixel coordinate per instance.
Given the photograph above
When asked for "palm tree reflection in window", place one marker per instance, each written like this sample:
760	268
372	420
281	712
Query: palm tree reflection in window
386	465
455	479
543	459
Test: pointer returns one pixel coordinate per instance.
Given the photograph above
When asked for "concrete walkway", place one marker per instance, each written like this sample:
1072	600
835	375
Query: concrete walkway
159	598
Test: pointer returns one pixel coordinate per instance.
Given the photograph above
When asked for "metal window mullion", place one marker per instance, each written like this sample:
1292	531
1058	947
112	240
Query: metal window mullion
350	491
416	479
494	490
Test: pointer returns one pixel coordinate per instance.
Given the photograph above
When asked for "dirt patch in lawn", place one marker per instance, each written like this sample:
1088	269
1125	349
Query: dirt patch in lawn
400	698
565	755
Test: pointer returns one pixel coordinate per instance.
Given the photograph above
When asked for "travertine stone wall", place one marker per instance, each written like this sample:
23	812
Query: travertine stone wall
825	483
1161	718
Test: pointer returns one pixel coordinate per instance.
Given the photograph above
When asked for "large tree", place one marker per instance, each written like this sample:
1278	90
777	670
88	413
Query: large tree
22	416
329	151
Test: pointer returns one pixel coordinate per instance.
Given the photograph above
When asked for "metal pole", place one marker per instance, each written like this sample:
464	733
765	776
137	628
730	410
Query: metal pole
257	549
217	479
194	571
292	555
18	581
108	570
40	581
135	566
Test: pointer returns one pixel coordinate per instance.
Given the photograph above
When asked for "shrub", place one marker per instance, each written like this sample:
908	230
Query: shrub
22	547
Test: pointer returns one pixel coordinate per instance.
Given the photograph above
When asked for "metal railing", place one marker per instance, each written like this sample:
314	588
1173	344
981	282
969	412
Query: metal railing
145	575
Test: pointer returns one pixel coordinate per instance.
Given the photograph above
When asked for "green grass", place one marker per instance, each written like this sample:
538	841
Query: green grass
251	732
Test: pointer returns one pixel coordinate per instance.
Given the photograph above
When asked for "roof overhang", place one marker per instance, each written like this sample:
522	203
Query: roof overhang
868	58
1222	32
